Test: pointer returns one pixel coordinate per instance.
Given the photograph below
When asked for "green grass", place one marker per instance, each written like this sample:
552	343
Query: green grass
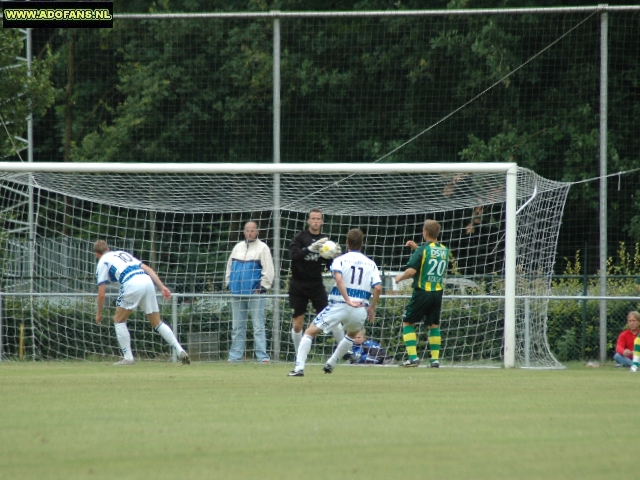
163	421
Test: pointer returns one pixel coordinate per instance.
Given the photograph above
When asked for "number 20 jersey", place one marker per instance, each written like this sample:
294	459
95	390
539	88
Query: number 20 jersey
359	275
430	260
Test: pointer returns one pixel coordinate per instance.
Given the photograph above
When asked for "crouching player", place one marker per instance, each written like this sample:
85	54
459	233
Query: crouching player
351	301
136	288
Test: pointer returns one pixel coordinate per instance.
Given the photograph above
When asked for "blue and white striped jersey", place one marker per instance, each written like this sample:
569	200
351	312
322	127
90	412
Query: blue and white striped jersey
359	274
117	267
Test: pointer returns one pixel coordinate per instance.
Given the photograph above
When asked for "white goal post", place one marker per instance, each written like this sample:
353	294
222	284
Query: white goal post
318	183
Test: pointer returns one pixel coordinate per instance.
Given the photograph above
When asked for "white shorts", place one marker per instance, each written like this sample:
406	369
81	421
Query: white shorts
138	290
334	314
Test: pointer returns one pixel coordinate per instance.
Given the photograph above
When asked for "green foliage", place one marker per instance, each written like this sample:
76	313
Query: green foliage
21	95
166	93
567	346
64	328
352	90
568	319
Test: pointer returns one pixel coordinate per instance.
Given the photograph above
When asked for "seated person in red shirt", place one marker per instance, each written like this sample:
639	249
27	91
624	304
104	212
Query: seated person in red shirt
624	346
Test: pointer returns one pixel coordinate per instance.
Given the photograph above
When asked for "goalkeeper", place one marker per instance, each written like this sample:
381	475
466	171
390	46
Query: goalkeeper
427	266
306	275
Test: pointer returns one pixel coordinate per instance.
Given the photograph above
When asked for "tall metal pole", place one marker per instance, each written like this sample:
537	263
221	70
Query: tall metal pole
585	293
32	227
276	189
604	31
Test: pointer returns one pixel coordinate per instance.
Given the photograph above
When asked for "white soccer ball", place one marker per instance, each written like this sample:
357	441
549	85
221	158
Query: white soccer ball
328	250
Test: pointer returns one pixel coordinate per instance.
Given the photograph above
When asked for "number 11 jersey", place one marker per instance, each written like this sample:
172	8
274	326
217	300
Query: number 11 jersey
359	275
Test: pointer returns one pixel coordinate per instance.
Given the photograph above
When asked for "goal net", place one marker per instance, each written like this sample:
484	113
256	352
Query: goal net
184	225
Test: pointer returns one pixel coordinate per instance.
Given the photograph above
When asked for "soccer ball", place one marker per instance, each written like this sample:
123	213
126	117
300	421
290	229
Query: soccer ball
328	250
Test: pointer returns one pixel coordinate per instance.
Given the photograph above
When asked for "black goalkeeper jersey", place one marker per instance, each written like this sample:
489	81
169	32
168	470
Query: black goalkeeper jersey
306	266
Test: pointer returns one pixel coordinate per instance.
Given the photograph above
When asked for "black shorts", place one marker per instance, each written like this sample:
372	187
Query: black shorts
301	292
424	305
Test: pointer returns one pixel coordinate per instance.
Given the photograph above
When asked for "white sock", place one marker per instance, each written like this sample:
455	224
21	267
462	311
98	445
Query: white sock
338	334
296	337
303	352
343	347
636	359
166	333
124	339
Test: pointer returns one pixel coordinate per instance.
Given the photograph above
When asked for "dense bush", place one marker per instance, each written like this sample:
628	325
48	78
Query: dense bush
568	319
64	328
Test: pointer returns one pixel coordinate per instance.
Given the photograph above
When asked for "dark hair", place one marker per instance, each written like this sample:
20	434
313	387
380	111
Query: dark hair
314	210
355	238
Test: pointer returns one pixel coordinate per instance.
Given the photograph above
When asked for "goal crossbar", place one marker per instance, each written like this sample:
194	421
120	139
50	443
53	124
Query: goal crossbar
256	168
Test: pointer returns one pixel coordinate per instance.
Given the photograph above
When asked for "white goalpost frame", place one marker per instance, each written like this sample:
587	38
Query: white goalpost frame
509	169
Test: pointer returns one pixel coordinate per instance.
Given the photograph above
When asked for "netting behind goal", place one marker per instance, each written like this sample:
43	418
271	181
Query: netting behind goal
185	226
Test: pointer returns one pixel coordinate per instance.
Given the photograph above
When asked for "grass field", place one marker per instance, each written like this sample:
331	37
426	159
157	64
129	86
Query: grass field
164	421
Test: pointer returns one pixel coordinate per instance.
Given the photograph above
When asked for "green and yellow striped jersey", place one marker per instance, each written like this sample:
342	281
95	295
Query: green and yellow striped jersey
430	260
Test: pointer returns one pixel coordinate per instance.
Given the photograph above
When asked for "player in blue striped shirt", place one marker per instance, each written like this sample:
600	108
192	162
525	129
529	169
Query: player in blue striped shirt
136	289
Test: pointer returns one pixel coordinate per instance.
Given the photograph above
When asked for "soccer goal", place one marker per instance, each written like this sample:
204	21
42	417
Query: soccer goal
500	221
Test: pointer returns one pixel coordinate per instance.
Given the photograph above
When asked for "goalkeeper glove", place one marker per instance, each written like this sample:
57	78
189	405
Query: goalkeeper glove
338	251
315	246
